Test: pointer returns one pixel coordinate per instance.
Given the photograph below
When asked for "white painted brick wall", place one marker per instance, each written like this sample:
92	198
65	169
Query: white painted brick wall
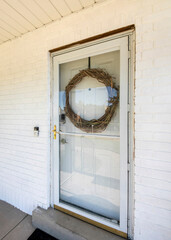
25	103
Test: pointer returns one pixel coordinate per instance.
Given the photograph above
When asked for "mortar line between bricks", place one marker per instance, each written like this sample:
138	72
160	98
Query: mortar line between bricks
14	226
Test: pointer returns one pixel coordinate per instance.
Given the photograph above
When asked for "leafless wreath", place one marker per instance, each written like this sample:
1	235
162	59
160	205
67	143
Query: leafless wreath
93	125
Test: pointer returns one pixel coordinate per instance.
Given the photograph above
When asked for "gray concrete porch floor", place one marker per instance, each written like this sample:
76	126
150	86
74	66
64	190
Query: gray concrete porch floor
14	224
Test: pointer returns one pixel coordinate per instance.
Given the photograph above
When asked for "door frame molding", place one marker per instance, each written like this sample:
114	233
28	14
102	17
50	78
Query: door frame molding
130	198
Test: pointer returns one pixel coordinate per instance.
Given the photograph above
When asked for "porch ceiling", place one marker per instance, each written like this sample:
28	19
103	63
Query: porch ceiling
18	17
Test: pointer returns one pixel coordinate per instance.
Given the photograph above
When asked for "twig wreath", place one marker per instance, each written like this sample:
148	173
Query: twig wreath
94	125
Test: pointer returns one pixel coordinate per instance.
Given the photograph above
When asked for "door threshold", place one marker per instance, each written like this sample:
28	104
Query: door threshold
92	222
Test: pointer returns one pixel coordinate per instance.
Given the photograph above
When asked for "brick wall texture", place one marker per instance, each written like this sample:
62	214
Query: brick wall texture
25	103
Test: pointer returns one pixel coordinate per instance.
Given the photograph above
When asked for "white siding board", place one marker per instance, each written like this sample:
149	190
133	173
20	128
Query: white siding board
155	231
162	137
153	145
155	137
152	126
26	140
19	7
28	161
153	201
155	183
154	164
157	193
26	144
13	165
157	155
163	222
157	174
49	9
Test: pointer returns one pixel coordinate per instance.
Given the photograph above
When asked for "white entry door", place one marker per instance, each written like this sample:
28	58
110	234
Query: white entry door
90	169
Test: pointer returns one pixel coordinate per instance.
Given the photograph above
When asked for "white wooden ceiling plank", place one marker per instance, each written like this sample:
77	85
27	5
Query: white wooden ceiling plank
74	5
86	3
6	34
18	17
36	10
50	10
12	22
100	0
3	38
61	7
8	28
20	8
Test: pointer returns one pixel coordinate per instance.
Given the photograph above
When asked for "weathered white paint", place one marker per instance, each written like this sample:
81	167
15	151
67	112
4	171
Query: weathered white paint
25	103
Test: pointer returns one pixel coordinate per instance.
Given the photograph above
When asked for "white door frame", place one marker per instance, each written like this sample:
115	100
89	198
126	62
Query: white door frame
88	50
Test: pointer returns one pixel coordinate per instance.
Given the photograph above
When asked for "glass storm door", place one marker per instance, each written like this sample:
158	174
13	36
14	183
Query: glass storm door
90	168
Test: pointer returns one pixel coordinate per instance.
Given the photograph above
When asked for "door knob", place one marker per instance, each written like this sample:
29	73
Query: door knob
63	141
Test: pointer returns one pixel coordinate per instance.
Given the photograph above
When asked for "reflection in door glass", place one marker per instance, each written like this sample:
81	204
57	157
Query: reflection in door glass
89	174
90	163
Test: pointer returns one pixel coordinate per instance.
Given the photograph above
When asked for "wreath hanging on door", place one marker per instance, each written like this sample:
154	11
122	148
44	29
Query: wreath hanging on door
100	124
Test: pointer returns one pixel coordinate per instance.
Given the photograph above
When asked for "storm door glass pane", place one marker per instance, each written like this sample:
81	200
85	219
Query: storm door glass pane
89	176
90	162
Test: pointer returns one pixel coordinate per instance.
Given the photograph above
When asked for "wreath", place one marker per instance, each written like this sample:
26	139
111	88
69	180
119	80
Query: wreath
94	125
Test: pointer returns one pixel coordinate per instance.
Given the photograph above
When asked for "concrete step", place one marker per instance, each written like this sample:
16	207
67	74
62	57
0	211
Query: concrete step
66	227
